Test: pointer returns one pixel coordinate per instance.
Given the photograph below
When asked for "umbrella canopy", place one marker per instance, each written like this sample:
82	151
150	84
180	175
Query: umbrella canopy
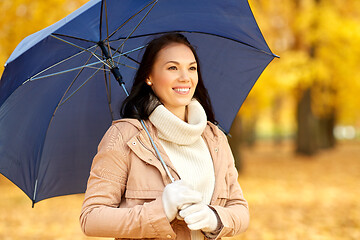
58	95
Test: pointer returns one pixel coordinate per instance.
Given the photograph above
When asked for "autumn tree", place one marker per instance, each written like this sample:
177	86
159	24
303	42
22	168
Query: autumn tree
318	42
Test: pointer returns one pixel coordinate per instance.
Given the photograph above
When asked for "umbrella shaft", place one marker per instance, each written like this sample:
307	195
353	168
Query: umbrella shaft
115	71
113	68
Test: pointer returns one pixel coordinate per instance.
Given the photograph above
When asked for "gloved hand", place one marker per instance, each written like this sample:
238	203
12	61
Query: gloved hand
176	195
200	217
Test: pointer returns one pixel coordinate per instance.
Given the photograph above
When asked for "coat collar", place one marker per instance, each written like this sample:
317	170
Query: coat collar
141	145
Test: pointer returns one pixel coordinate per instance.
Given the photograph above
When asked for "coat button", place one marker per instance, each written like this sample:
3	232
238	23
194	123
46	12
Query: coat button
216	149
168	236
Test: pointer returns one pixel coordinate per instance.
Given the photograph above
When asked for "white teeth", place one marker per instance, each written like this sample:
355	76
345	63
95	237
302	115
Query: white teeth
181	89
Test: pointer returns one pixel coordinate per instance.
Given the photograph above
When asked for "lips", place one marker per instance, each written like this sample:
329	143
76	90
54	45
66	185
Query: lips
184	90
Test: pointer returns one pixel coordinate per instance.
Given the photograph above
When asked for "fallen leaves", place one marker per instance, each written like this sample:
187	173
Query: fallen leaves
293	197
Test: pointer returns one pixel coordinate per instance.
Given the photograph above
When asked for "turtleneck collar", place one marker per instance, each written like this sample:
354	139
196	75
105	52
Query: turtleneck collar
173	129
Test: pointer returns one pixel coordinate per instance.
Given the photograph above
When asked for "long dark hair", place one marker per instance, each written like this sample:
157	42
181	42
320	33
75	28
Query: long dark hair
142	101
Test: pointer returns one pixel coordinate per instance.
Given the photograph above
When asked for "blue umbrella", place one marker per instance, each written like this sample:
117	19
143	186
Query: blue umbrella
59	90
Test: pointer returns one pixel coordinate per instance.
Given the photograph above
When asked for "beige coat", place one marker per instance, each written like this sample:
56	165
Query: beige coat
123	196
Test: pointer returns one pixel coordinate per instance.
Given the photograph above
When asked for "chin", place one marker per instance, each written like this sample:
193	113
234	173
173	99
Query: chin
185	103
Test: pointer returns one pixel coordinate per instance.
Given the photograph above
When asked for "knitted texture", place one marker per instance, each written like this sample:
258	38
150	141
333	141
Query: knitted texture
186	148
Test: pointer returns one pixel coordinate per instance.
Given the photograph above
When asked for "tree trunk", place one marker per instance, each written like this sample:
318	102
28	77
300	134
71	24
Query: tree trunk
276	119
306	142
325	130
248	134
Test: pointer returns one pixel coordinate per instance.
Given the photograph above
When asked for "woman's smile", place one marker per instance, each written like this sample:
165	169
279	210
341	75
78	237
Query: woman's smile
182	90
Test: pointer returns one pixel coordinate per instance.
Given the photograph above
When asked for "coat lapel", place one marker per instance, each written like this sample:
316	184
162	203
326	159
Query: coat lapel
141	146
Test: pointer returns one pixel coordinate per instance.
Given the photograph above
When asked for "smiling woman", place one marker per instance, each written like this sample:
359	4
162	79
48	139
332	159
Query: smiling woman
142	100
129	194
174	78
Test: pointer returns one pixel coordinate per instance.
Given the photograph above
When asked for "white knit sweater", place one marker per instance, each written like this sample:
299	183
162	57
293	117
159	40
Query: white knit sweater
187	149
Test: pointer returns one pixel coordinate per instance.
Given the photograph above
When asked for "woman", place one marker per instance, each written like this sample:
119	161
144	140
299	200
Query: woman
129	194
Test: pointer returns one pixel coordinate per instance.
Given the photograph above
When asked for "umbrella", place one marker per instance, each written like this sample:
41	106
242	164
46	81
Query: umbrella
59	91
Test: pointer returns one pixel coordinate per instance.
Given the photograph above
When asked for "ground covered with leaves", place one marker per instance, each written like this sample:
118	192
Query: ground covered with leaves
291	198
295	197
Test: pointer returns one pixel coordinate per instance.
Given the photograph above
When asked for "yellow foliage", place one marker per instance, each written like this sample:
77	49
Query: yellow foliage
319	45
24	17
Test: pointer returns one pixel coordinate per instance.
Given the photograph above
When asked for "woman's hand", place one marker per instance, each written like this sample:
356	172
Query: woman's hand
176	195
200	217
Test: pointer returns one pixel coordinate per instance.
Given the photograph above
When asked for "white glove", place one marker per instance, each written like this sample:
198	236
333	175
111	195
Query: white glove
200	217
176	195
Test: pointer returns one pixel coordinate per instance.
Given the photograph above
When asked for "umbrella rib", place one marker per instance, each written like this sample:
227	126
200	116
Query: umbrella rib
211	34
138	24
128	57
54	65
52	117
76	38
107	22
34	78
82	85
125	54
122	64
71	84
62	72
130	51
35	191
125	65
84	49
101	10
109	36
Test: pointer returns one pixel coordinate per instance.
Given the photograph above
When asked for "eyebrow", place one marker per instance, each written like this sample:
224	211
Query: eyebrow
179	63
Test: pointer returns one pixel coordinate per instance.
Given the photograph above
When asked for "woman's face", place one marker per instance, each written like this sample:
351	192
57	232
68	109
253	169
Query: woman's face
174	77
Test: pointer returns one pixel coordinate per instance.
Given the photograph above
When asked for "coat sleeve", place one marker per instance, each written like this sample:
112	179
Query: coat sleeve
234	215
101	215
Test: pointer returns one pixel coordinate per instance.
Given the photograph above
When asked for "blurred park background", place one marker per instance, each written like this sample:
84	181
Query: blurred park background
296	139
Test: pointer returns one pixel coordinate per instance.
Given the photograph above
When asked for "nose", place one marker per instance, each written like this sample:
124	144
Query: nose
184	76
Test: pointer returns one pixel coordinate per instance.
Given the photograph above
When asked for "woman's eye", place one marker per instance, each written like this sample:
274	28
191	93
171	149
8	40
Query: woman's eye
172	68
193	68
